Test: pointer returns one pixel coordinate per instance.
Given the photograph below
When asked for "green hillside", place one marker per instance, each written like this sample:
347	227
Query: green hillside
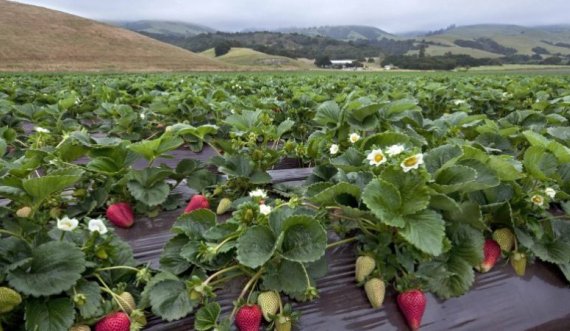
166	27
522	39
251	58
343	32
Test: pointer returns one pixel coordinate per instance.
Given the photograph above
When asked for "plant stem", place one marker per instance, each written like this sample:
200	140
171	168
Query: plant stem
246	288
123	267
110	292
214	275
341	242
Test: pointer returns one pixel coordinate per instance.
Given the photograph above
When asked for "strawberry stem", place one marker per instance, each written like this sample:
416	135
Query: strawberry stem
216	274
121	267
245	289
341	242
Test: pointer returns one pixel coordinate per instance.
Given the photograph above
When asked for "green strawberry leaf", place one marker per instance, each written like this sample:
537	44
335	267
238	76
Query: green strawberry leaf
287	276
304	239
49	315
448	278
330	196
384	139
207	317
329	114
92	306
170	259
54	267
540	163
384	200
284	127
350	160
256	246
442	156
169	299
39	188
195	223
453	178
425	230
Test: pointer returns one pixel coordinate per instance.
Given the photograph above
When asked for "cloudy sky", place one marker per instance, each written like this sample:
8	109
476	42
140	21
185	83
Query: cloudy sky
390	15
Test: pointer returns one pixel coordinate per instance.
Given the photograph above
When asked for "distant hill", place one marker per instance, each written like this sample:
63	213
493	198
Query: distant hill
165	27
39	39
477	40
343	32
293	45
251	58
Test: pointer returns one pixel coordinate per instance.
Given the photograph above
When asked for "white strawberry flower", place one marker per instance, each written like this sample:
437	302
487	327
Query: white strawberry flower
264	209
334	149
412	162
97	225
395	150
550	192
537	199
67	224
258	193
354	137
41	130
459	102
376	157
142	116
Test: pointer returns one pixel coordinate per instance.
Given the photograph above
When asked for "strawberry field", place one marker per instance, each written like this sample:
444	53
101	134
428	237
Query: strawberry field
238	201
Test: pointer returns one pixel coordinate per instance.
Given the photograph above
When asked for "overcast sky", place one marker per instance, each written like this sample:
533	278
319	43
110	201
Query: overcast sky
390	15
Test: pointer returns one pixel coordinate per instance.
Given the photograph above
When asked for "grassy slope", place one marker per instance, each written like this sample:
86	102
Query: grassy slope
521	38
39	39
252	58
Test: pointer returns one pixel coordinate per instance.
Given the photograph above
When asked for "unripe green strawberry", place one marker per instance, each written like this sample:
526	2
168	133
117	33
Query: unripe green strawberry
269	303
505	238
9	299
283	323
518	262
375	291
224	205
24	212
364	267
127	302
80	328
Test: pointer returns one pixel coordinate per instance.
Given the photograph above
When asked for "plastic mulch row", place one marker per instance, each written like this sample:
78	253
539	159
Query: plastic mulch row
498	300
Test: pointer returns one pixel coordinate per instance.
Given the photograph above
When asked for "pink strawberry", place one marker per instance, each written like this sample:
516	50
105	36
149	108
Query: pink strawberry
248	318
197	202
413	305
121	214
114	322
491	253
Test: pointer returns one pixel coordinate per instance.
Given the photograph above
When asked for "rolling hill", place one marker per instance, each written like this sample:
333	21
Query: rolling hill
165	27
522	39
343	32
251	58
38	39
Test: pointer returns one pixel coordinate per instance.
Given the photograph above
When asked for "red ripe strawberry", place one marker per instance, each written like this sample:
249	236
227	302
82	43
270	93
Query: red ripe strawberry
491	253
121	214
248	318
413	305
197	202
114	322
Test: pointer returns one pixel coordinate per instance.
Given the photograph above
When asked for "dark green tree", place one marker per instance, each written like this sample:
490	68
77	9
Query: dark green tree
223	47
323	61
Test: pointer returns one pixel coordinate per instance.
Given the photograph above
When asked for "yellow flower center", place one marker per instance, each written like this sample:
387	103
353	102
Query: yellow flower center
378	158
537	199
411	161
